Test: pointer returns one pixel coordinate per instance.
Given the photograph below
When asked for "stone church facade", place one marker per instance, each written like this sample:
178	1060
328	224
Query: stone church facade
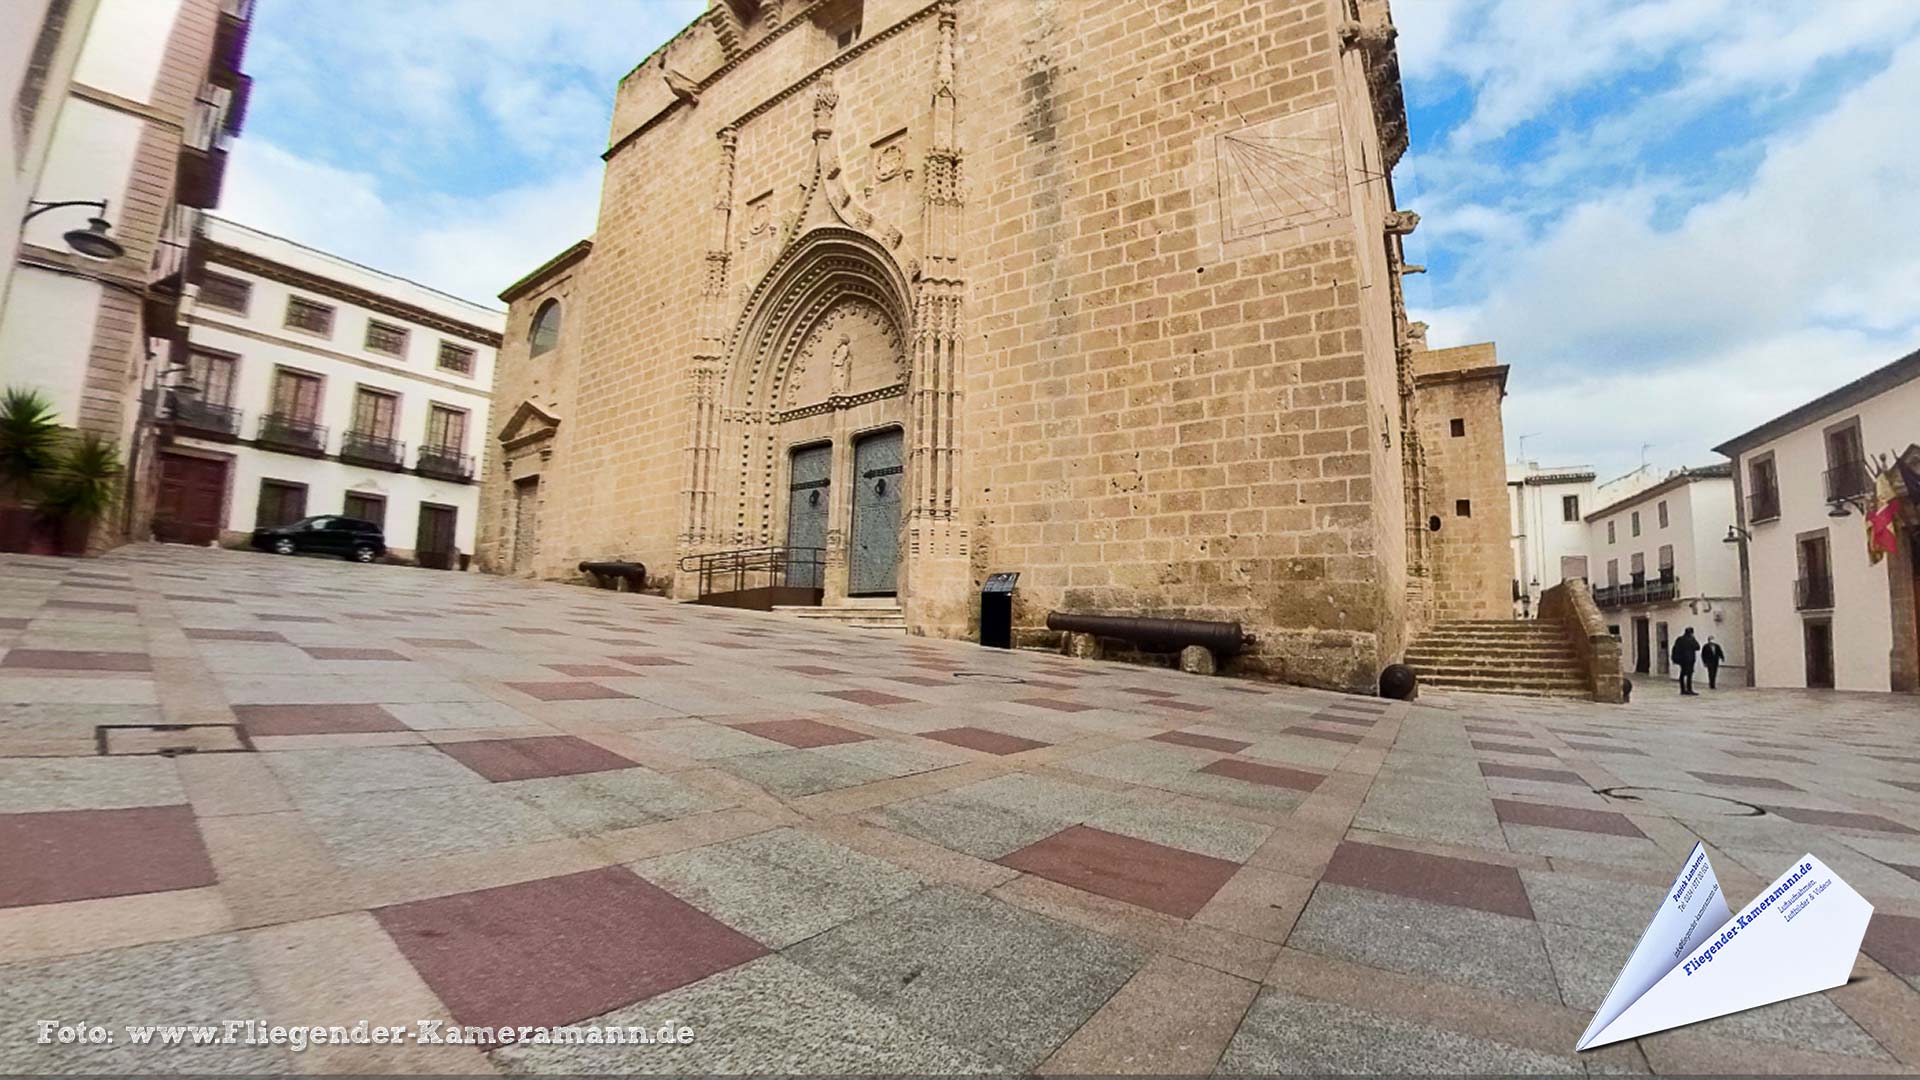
1106	293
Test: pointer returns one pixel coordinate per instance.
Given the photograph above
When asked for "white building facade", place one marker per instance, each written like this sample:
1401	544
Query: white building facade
1825	614
1661	564
1548	508
39	44
313	385
133	103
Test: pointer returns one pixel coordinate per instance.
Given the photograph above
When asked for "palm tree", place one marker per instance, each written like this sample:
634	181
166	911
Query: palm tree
81	486
30	439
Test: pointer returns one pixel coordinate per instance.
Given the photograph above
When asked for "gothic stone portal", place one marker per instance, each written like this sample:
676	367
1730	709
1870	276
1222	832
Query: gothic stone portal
846	380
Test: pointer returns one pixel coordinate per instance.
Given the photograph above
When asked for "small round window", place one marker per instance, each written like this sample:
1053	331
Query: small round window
1433	523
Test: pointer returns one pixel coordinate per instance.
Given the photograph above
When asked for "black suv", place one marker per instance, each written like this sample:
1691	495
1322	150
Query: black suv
328	534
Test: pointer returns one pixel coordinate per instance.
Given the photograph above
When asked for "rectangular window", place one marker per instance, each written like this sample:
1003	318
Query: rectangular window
386	338
296	396
375	412
1666	562
1569	508
225	293
447	428
1814	590
1763	496
1613	571
281	503
366	507
1609	532
1457	427
1847	475
212	376
1634	525
1639	568
309	315
1661	507
456	358
1462	508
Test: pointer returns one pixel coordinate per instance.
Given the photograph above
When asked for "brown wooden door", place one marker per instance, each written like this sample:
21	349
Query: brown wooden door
1819	637
433	546
193	499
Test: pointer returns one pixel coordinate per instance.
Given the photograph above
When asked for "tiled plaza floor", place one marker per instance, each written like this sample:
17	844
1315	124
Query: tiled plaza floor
426	795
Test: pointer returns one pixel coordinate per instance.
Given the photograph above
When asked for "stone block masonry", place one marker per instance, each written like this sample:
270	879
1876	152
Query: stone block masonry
1118	280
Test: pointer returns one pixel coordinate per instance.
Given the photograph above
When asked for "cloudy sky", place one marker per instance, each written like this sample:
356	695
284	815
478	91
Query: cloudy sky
1677	218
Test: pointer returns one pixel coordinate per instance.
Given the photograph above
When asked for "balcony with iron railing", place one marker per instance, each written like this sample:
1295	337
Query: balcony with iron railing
1763	505
291	434
230	41
378	451
1813	593
1661	590
444	463
1847	480
202	419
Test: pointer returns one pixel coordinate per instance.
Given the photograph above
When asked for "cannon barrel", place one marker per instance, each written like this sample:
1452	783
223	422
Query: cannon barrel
1154	634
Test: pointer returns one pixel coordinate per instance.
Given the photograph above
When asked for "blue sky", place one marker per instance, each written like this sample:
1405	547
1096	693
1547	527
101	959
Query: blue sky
1676	218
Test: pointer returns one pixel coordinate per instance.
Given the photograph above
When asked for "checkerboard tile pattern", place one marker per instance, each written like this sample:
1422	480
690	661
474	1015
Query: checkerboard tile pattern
523	803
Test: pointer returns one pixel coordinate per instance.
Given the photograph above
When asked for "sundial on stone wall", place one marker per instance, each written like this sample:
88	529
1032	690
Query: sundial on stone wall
1281	173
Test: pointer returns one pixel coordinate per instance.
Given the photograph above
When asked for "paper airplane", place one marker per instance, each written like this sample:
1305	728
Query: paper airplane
1697	960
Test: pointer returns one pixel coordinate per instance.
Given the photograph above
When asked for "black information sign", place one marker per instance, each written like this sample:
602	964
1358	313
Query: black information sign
1000	583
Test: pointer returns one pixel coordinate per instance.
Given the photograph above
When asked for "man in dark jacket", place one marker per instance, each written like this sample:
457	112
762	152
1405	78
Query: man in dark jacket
1684	652
1712	655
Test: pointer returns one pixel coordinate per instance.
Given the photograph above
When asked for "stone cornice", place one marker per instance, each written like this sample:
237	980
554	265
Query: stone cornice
238	259
199	318
845	57
109	100
547	269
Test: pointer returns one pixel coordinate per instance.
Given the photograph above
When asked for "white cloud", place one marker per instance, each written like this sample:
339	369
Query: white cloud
1621	331
471	248
1521	58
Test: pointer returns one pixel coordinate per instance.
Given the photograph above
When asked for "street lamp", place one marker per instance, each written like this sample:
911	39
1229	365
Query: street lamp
1736	534
92	241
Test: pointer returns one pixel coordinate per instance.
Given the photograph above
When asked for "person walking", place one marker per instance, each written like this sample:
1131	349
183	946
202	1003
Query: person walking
1712	655
1685	651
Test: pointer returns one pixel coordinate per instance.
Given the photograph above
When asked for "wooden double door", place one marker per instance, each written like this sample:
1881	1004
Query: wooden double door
192	504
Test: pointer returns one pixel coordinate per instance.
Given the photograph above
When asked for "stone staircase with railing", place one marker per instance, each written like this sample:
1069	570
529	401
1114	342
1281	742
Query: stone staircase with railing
1526	658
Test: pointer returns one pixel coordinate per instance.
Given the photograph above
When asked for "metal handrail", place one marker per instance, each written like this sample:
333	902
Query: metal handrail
737	567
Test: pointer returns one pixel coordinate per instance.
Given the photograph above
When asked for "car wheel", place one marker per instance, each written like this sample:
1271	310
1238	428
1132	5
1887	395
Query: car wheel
283	547
363	554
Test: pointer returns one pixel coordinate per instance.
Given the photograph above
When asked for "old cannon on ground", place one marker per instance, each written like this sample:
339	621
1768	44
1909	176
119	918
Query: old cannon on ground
1201	643
614	574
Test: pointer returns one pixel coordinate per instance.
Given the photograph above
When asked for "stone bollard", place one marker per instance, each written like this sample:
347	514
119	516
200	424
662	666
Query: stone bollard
1197	660
1082	646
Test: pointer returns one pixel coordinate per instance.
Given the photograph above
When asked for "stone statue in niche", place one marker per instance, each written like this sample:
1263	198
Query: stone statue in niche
842	366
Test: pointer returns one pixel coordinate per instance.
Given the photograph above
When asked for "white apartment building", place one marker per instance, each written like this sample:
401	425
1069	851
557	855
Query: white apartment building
1662	563
122	114
1825	615
313	385
1548	508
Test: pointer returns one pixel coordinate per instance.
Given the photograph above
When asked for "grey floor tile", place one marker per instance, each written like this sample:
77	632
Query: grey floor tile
780	887
957	964
1477	948
1288	1035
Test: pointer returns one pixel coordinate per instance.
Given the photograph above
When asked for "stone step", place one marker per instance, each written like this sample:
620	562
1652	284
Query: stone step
1551	661
1462	667
863	617
1483	635
1506	628
1516	691
1425	658
1497	685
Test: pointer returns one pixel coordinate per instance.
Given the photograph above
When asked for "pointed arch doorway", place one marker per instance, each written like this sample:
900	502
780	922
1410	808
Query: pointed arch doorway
814	399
